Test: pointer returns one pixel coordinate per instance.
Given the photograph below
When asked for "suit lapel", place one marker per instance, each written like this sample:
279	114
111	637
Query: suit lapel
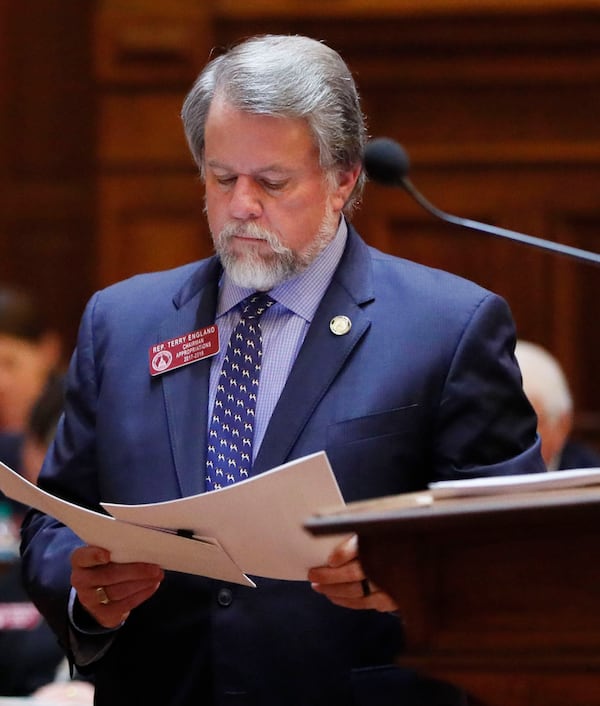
186	389
309	380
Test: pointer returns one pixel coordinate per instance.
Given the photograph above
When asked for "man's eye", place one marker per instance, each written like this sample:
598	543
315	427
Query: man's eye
273	185
225	181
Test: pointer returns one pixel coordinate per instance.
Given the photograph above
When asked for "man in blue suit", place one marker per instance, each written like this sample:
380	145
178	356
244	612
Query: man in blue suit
402	374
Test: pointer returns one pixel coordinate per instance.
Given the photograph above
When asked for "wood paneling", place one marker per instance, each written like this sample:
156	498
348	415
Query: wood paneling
47	150
491	605
150	222
149	197
149	45
496	101
398	9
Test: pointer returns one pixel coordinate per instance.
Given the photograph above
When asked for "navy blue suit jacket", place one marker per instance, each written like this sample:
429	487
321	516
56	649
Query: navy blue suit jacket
424	387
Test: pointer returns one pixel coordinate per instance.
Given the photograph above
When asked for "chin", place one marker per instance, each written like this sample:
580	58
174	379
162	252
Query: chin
254	273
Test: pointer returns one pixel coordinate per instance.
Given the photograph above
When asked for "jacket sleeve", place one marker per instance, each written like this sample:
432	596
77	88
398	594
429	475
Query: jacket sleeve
68	472
485	425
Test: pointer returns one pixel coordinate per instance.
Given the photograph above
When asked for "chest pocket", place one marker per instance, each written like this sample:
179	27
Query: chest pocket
401	420
380	454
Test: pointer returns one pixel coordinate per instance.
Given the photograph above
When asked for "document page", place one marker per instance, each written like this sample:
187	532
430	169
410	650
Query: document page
258	521
484	488
253	527
127	542
552	480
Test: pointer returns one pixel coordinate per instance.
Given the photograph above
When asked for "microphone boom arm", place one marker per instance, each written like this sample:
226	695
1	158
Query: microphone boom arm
568	250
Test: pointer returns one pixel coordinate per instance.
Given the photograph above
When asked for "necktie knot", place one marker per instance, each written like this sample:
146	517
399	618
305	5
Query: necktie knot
256	304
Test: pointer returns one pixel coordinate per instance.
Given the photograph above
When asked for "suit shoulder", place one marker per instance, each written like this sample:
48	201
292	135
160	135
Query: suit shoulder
151	296
151	284
428	281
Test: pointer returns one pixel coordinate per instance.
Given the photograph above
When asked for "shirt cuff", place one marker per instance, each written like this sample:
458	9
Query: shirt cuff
89	640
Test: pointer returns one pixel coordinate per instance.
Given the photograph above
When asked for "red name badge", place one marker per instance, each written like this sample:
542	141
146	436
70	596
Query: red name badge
183	350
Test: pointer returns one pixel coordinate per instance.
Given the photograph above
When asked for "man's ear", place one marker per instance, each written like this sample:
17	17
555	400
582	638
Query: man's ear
346	181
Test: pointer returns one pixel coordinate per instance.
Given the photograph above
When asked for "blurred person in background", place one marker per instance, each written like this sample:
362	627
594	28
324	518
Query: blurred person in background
29	353
548	390
41	427
31	660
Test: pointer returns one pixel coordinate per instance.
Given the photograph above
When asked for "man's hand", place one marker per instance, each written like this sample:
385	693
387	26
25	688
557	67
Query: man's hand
343	581
109	591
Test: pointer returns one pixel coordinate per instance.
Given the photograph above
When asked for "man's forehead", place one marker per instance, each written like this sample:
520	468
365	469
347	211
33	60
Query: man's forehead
248	142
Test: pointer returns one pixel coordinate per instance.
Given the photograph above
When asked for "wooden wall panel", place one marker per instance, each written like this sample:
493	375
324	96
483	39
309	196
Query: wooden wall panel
576	297
150	223
496	101
141	131
334	9
5	99
146	45
149	197
47	149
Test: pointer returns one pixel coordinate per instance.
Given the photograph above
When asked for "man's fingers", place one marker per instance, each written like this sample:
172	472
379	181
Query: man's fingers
91	567
345	573
111	573
344	552
353	595
109	591
115	599
88	557
110	605
352	590
117	592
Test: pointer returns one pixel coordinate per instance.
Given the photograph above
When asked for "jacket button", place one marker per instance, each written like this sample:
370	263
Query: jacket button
224	597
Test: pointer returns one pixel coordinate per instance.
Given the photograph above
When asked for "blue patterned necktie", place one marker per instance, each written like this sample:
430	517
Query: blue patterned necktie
231	432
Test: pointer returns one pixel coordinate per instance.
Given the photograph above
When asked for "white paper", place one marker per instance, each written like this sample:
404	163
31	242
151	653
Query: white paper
127	542
552	480
255	526
259	521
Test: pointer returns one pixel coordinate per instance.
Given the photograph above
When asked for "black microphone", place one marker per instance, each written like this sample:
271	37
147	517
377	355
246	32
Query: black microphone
387	162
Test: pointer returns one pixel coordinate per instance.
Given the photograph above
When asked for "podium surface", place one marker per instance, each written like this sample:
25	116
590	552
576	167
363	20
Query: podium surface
500	594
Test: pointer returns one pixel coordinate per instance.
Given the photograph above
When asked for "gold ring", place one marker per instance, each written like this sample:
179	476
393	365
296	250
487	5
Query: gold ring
366	587
102	597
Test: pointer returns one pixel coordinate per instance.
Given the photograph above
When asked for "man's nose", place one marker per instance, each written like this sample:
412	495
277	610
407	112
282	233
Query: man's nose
245	200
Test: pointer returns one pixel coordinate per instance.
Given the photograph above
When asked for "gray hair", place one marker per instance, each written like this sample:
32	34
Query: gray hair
544	379
291	77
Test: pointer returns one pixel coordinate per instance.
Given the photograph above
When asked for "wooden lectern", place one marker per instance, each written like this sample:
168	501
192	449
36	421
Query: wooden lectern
500	593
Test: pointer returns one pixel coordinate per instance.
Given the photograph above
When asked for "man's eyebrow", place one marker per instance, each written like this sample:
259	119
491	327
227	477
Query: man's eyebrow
276	168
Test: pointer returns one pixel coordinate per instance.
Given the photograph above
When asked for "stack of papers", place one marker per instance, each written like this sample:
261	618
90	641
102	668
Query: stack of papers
473	488
493	485
253	527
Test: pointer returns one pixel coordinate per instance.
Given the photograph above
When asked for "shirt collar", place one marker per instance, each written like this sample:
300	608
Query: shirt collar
300	294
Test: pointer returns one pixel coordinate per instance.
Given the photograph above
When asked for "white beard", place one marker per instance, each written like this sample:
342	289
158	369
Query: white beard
263	272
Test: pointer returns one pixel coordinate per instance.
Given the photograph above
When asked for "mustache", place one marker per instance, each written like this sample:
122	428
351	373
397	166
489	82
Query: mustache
252	231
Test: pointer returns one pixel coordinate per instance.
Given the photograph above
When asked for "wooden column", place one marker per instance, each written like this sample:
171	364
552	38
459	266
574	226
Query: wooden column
147	56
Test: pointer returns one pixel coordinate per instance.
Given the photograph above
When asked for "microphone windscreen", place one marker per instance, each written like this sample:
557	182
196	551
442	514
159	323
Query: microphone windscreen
386	161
